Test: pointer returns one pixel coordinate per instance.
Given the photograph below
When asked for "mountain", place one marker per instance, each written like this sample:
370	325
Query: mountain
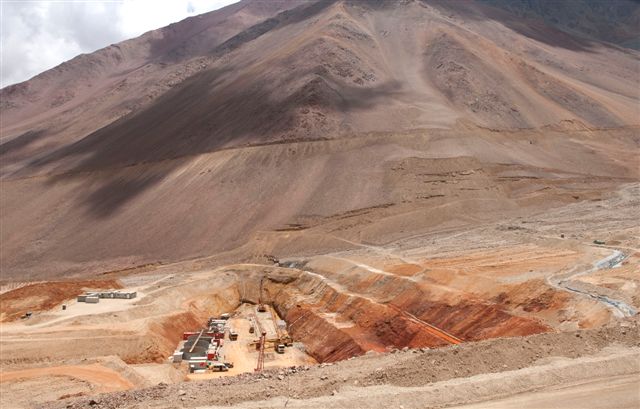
616	21
216	133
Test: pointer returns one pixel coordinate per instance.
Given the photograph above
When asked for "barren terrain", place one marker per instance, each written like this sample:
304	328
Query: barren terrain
438	198
429	290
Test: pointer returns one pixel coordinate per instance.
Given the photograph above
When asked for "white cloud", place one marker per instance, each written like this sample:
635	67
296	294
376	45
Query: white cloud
38	35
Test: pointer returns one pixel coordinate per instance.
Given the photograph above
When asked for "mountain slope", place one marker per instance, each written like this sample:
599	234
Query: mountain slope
216	129
613	21
320	72
112	82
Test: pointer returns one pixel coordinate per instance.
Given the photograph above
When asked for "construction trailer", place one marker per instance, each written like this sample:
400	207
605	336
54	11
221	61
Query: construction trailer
176	358
198	364
217	327
186	335
213	353
128	295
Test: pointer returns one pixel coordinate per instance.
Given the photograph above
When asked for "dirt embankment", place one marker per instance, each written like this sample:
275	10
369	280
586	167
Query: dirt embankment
336	323
144	330
45	296
413	368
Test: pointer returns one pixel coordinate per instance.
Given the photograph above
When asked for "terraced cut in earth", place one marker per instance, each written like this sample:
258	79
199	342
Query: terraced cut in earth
444	193
418	292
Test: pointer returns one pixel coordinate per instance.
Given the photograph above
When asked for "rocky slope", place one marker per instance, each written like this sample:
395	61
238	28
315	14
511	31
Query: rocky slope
153	137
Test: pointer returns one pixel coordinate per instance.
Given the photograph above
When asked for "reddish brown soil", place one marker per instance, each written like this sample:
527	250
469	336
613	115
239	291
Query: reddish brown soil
546	300
105	379
165	335
370	325
408	369
405	269
45	296
325	342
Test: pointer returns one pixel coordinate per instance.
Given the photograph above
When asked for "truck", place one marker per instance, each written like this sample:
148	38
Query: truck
280	348
218	366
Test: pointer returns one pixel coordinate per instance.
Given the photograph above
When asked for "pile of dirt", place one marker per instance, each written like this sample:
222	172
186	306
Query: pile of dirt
46	296
166	334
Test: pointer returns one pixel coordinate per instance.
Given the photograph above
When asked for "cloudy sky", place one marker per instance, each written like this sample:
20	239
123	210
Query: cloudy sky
38	35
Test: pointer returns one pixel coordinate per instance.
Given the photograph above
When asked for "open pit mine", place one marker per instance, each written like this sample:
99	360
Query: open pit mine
329	204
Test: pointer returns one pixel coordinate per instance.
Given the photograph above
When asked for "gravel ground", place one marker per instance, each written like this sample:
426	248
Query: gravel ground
407	368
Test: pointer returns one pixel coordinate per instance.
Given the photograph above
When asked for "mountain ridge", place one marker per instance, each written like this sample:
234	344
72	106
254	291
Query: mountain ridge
318	102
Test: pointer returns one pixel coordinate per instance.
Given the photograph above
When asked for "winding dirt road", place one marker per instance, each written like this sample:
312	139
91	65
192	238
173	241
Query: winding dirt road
619	307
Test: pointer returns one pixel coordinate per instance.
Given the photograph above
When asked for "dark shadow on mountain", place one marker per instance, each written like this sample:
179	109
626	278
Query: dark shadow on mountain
212	110
20	148
15	145
117	192
285	18
176	45
529	18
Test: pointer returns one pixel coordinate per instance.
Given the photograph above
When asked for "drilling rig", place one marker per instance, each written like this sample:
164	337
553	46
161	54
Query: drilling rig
260	365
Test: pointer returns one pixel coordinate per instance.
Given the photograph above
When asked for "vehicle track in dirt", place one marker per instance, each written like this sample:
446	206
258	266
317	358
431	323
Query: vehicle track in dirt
563	282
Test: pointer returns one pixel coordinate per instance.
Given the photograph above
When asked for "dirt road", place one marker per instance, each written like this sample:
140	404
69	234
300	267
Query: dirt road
104	379
620	392
619	307
613	371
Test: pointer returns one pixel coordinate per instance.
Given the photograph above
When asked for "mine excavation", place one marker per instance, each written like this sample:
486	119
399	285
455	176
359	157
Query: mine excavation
240	342
520	300
320	204
289	316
